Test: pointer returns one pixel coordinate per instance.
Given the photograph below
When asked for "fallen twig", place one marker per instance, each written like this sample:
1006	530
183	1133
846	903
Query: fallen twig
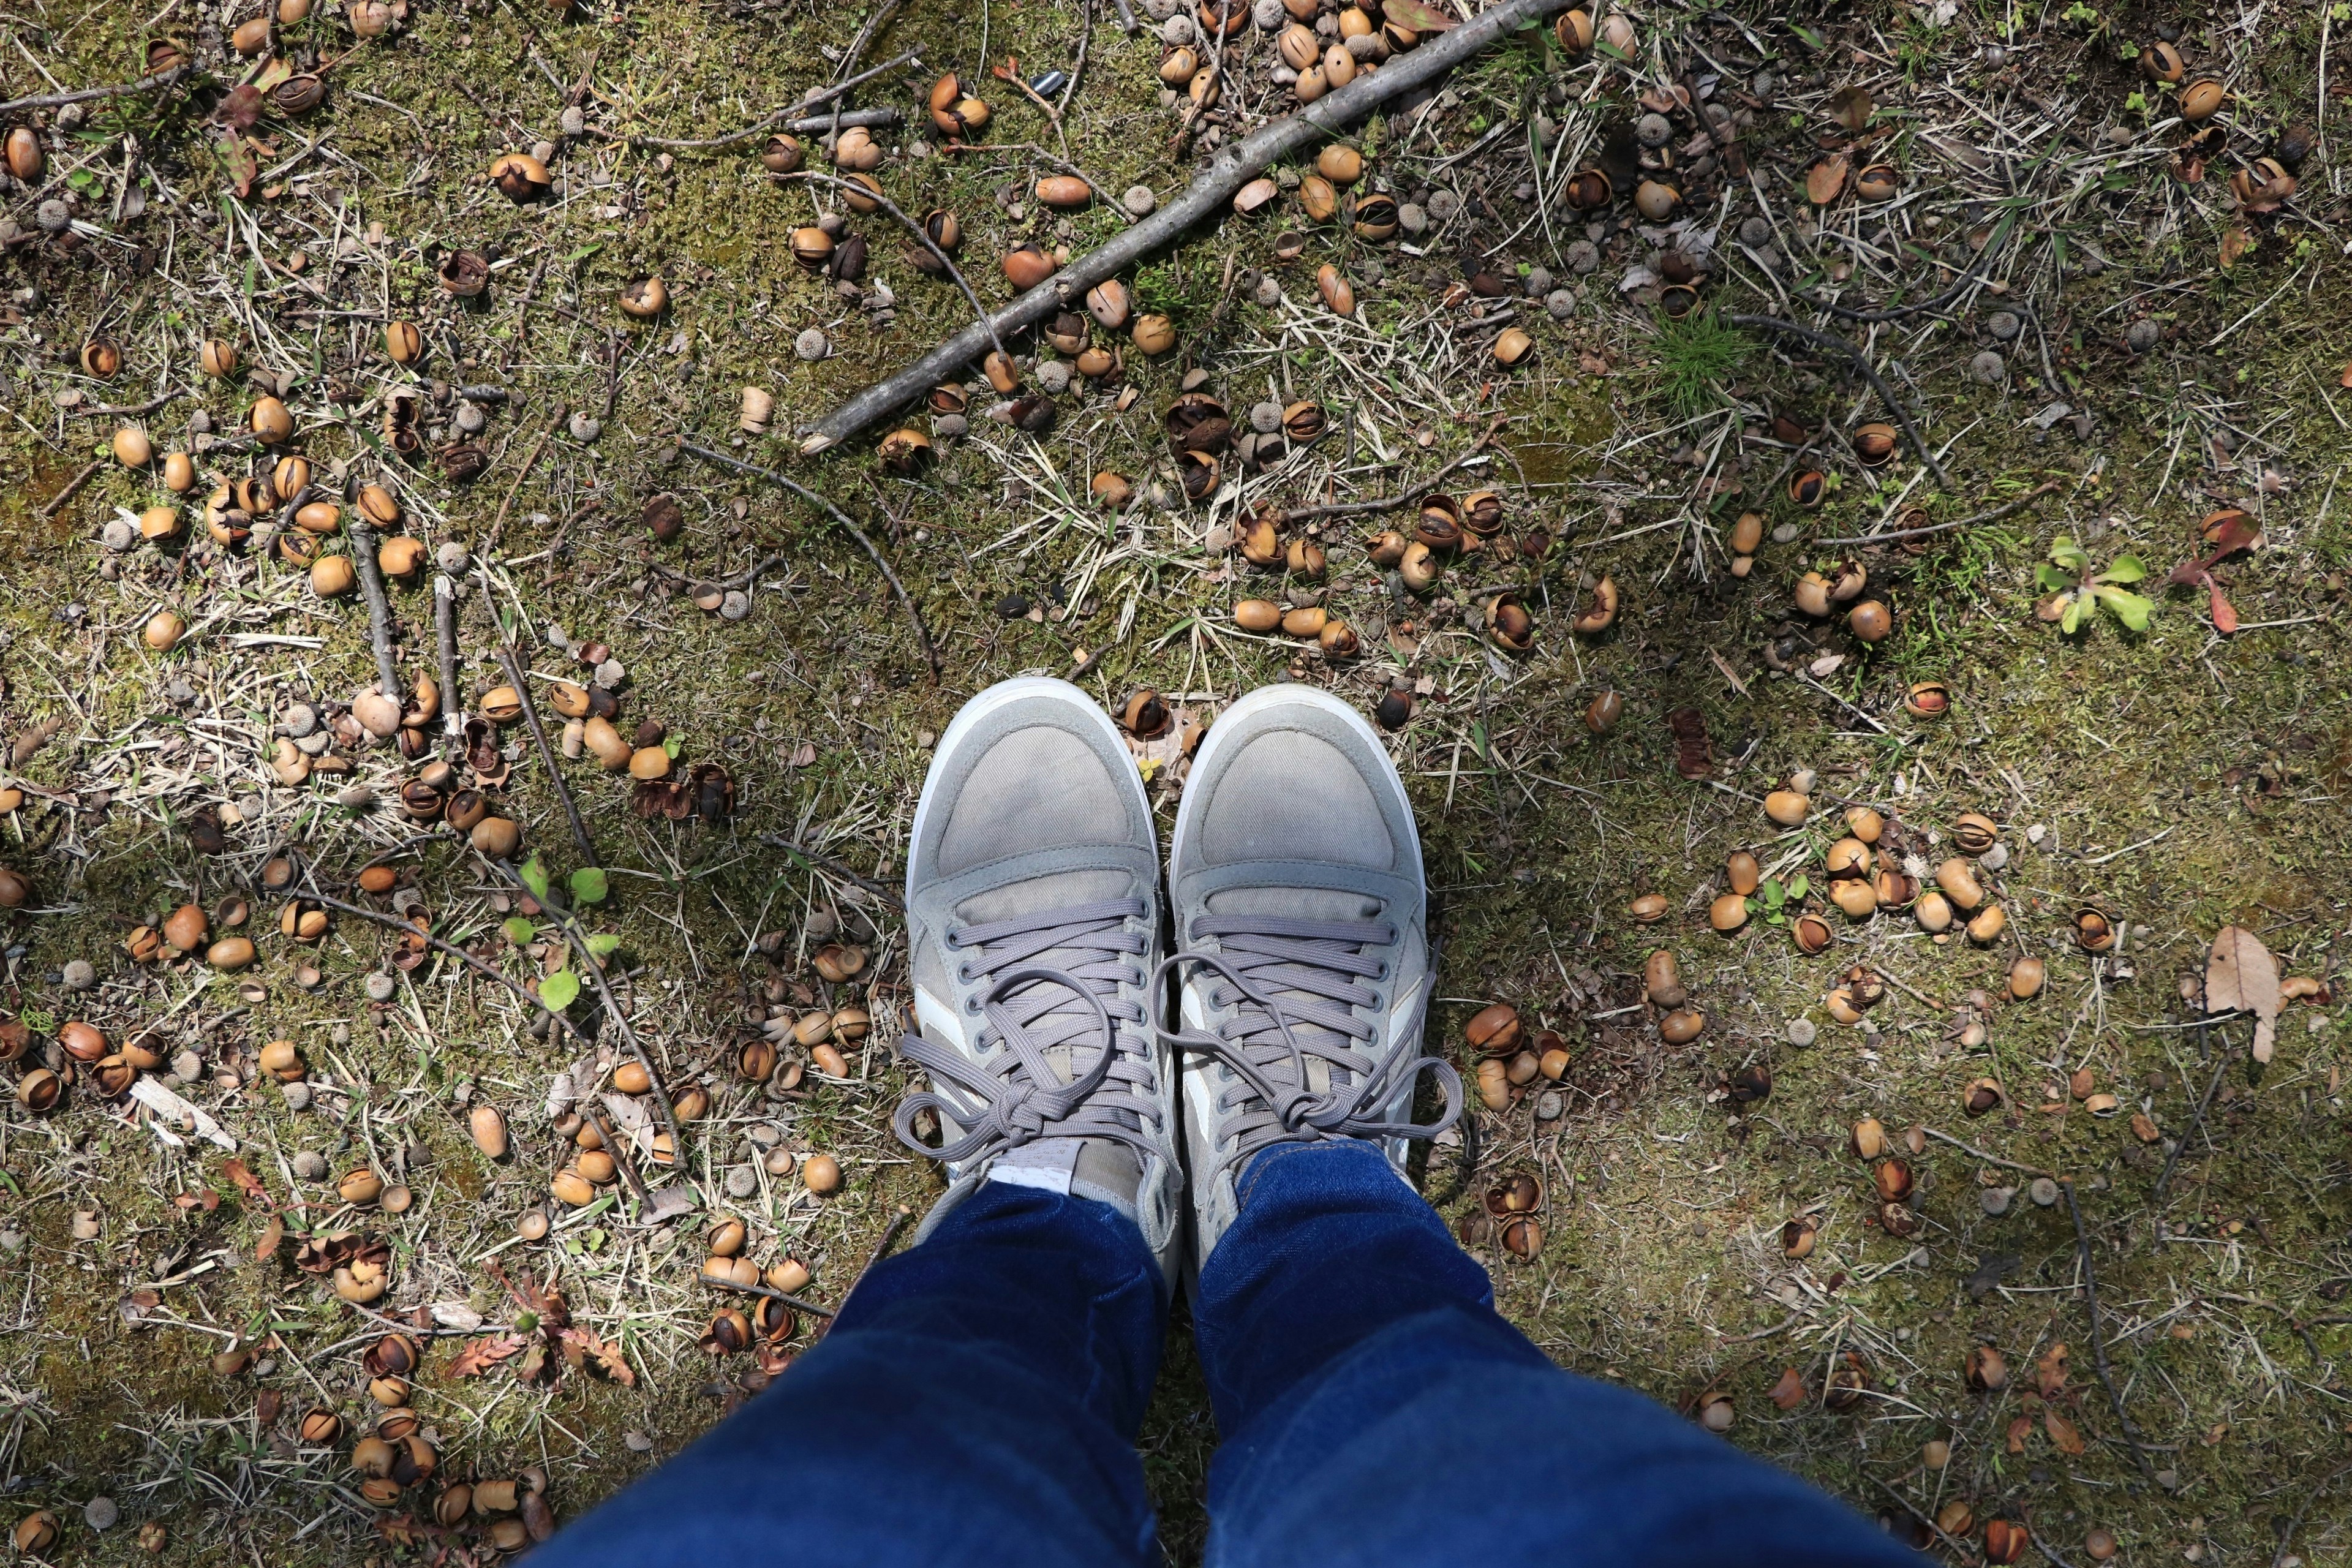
906	600
73	488
1995	515
513	668
881	1250
1236	165
768	122
445	638
621	1161
408	929
2196	1122
2098	1334
798	1303
91	94
499	524
1862	363
379	605
922	238
1403	497
828	863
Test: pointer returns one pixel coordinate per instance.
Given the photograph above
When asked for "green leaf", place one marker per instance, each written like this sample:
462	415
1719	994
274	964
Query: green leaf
603	944
2072	620
518	930
590	885
534	876
673	745
1775	894
560	990
2069	555
1797	888
2127	606
2052	579
2123	569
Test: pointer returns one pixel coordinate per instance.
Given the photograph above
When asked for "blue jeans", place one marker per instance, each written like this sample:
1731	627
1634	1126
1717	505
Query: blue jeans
977	1403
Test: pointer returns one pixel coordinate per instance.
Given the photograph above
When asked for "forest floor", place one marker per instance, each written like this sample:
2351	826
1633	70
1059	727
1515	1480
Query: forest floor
2107	345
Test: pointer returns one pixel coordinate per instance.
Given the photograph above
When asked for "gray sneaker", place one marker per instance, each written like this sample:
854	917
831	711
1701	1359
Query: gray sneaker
1033	924
1294	874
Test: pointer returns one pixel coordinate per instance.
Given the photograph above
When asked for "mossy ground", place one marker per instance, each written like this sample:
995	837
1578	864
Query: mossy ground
2182	779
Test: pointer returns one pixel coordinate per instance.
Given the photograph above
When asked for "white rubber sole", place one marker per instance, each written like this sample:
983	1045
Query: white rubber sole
1266	697
1004	692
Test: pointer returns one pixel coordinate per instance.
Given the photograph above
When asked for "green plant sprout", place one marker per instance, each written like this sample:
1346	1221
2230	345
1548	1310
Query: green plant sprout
2075	588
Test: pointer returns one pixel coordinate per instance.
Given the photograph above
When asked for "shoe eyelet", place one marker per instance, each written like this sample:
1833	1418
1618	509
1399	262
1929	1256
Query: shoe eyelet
1381	975
963	973
972	1006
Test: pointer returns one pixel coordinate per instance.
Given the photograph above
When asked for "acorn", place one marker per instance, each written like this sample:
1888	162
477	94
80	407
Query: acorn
859	191
781	154
1310	85
2160	61
25	157
1512	346
2026	978
179	473
271	422
521	177
1179	65
2005	1542
1376	216
1257	196
1973	833
1146	716
1656	199
402	343
1393	711
1681	1026
1892	1177
1600	614
903	450
1573	32
1339	66
821	1174
1107	302
1317	200
1870	620
2202	100
163	631
1420	568
1509	624
1026	266
1339	294
1809	487
1068	190
1601	715
1878	182
645	299
1589	190
855	152
954	111
810	247
1928	700
1727	912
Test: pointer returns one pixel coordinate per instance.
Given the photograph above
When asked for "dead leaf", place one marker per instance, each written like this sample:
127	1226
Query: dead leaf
2225	614
272	1236
1825	181
1420	18
2063	1434
478	1356
2050	1370
607	1357
1850	106
2240	976
2018	1428
247	1182
2235	242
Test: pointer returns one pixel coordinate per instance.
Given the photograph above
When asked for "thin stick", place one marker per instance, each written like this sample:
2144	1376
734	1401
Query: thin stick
460	953
2098	1335
91	94
497	526
379	605
621	1161
570	925
906	600
73	488
1403	498
881	1250
828	863
1983	258
822	95
797	1303
1995	515
2164	1177
1235	166
1886	393
2310	1497
1990	1159
922	238
513	668
445	638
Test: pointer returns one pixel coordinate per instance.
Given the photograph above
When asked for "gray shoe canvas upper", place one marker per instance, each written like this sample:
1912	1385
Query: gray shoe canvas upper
1032	922
1295	876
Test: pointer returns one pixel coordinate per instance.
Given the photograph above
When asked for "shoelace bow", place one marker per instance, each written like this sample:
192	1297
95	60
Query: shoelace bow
1011	1095
1269	1041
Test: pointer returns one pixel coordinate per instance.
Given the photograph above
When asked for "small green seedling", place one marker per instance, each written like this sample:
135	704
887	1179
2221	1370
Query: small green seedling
2076	589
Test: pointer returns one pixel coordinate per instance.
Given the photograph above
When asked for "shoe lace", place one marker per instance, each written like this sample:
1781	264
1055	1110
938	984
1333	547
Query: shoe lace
1295	989
1006	1092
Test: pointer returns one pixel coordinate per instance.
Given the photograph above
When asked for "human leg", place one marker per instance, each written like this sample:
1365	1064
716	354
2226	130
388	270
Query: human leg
976	1400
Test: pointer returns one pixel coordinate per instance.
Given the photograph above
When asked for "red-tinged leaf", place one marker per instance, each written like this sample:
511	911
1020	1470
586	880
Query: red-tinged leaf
1420	18
607	1357
237	161
2050	1370
478	1356
272	1236
241	109
2063	1434
2020	1426
247	1182
2225	614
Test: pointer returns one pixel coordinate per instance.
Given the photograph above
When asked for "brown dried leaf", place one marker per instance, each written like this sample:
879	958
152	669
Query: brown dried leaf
1825	181
2020	1427
2240	975
1420	18
478	1356
2235	242
607	1357
272	1236
247	1182
2050	1370
2063	1434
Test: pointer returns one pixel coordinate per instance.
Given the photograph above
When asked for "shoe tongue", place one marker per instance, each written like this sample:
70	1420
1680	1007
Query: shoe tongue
1295	903
1037	895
